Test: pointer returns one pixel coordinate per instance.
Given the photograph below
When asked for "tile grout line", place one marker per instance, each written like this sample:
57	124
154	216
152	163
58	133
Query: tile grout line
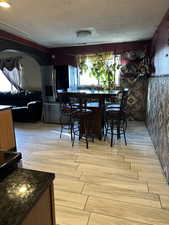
111	199
83	187
123	218
148	189
71	207
89	219
86	203
160	201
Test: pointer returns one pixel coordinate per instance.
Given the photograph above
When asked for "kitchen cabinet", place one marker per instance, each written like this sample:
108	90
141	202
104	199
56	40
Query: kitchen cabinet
7	134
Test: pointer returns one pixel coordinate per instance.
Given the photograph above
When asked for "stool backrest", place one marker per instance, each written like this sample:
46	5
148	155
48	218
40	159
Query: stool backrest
123	103
63	101
82	102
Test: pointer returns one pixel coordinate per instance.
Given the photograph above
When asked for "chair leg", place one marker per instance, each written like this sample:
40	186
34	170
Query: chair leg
125	124
73	134
80	129
93	138
87	143
125	138
124	131
61	131
112	130
118	129
106	131
90	129
71	130
93	133
86	133
72	141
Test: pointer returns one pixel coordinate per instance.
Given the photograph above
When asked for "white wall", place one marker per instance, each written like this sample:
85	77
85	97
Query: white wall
31	70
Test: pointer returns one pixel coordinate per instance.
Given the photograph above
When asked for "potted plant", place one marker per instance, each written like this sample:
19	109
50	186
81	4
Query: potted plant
102	70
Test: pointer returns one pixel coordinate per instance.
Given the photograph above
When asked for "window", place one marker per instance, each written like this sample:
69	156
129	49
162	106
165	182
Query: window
89	77
85	79
5	85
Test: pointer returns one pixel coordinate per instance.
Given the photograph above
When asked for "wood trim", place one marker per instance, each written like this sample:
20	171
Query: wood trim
13	37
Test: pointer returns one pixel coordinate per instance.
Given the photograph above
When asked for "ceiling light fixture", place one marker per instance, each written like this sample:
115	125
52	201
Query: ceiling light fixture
83	33
4	4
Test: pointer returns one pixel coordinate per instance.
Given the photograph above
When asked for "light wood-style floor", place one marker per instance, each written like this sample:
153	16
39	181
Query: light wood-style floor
100	185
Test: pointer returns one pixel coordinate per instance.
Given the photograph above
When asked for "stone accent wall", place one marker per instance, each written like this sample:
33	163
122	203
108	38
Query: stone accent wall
137	100
158	118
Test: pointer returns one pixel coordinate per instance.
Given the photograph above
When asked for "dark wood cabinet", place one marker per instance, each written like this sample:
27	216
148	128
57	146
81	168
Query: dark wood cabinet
43	211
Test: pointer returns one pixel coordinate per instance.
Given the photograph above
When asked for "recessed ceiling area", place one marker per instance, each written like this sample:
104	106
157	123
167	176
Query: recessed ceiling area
55	23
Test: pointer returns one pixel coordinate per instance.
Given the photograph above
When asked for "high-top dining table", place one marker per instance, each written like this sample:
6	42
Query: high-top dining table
98	107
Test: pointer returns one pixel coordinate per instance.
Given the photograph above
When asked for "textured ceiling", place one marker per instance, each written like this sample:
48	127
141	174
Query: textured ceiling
54	23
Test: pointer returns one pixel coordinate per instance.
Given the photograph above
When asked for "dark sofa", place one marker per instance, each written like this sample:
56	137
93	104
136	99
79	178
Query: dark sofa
26	105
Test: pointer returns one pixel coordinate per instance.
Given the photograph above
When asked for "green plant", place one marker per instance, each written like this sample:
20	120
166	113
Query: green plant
83	66
103	71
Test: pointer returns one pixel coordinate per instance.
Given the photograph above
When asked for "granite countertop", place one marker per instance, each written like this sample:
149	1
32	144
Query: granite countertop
19	192
8	162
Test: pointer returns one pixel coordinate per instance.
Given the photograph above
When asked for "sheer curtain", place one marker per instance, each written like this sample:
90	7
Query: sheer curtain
5	85
12	69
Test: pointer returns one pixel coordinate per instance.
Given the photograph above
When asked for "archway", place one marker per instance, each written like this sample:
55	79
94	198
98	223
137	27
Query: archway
31	77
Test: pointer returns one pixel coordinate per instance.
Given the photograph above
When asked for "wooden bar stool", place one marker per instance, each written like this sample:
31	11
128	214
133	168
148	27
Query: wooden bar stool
65	114
116	119
82	122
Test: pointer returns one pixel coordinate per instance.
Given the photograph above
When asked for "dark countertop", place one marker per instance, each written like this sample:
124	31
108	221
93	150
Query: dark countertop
8	162
4	107
90	92
19	192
